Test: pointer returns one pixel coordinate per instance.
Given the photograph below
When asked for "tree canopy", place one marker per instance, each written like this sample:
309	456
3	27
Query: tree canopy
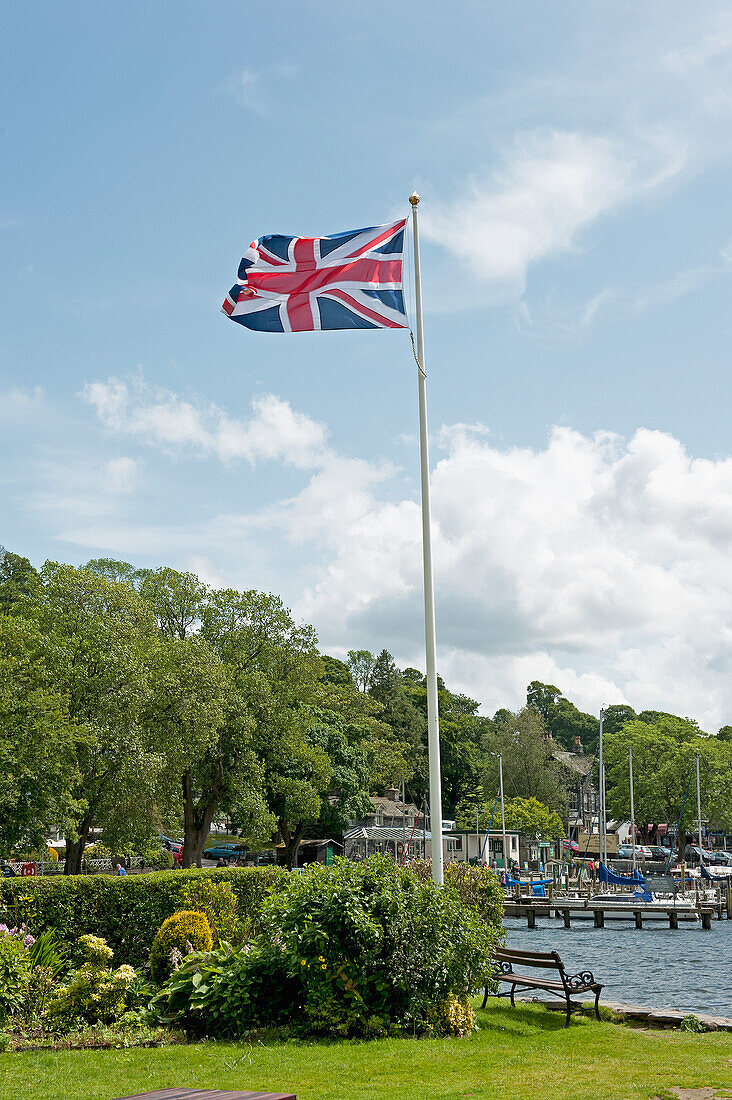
132	698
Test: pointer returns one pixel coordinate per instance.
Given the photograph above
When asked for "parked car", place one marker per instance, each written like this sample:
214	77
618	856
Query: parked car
658	852
691	854
721	858
265	859
226	852
176	850
642	851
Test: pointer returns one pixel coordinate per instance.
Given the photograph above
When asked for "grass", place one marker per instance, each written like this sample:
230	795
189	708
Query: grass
522	1053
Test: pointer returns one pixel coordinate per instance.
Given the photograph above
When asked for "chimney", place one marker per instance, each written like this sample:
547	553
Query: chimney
392	793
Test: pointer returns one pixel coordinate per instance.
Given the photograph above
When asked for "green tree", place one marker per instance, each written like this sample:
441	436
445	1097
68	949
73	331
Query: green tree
664	754
18	578
274	669
177	599
563	720
38	772
615	718
461	731
121	572
361	665
404	719
99	636
531	817
529	767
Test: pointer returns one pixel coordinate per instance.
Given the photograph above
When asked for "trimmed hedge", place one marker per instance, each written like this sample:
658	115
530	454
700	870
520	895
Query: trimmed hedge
126	910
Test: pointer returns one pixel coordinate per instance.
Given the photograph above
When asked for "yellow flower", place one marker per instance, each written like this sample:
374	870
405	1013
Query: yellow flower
321	959
303	962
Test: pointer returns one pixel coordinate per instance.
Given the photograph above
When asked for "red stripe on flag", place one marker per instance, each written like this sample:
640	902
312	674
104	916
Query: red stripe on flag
364	311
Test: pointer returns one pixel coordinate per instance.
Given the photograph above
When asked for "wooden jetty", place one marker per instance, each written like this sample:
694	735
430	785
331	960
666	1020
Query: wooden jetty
564	907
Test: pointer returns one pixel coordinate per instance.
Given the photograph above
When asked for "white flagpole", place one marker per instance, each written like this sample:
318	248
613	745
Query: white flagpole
433	726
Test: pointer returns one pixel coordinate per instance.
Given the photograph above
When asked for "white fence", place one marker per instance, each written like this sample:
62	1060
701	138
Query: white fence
89	866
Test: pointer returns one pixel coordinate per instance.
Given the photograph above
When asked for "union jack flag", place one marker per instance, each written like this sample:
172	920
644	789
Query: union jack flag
298	284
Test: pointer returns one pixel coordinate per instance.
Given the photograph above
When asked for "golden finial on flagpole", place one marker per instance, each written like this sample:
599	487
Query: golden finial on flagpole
414	198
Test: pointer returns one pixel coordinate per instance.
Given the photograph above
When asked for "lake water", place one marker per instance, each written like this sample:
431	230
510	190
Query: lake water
655	967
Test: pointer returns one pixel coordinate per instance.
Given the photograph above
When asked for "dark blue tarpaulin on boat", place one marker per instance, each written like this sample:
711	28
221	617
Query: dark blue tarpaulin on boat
604	874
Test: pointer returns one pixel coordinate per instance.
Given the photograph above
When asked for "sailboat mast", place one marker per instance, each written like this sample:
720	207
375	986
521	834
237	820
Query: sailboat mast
632	805
601	773
698	811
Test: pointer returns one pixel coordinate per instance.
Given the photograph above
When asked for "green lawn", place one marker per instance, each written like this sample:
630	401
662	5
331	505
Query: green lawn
522	1053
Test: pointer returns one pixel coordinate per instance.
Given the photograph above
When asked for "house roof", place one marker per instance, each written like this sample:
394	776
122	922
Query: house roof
392	808
580	762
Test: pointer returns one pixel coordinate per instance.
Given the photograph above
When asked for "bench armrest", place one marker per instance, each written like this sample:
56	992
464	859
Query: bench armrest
578	981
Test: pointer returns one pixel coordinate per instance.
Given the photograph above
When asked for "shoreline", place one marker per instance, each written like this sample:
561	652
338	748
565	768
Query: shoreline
654	1017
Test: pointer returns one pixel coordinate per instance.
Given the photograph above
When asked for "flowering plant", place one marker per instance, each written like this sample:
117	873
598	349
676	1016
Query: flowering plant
19	933
95	993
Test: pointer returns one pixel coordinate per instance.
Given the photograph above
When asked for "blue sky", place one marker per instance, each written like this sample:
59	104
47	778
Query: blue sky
574	166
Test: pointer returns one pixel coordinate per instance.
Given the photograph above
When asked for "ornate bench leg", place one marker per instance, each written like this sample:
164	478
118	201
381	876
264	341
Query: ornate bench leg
597	1003
485	997
569	1012
513	990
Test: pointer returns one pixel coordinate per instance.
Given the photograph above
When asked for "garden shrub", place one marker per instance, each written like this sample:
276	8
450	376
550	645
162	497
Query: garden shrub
476	886
371	939
93	994
29	969
15	971
228	991
217	900
453	1016
128	910
354	949
186	931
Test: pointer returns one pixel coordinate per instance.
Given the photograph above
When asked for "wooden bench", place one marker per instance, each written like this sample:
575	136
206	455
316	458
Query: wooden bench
565	986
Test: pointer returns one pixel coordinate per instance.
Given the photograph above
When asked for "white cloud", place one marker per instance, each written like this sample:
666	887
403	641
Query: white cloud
19	405
76	489
549	187
593	562
250	86
205	570
247	89
120	475
548	321
158	416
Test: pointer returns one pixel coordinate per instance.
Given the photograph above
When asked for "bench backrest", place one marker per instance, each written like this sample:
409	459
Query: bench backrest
548	960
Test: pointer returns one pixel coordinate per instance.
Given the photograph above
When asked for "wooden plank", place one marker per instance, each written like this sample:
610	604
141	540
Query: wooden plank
207	1094
518	958
527	979
513	952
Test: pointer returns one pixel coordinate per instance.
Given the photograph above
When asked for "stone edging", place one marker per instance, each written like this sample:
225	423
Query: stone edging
654	1017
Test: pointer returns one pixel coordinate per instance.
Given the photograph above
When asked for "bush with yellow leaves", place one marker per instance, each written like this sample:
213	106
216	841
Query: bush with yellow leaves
187	930
93	994
451	1016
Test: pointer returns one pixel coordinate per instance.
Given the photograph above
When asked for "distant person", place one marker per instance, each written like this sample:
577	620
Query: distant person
119	869
222	863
